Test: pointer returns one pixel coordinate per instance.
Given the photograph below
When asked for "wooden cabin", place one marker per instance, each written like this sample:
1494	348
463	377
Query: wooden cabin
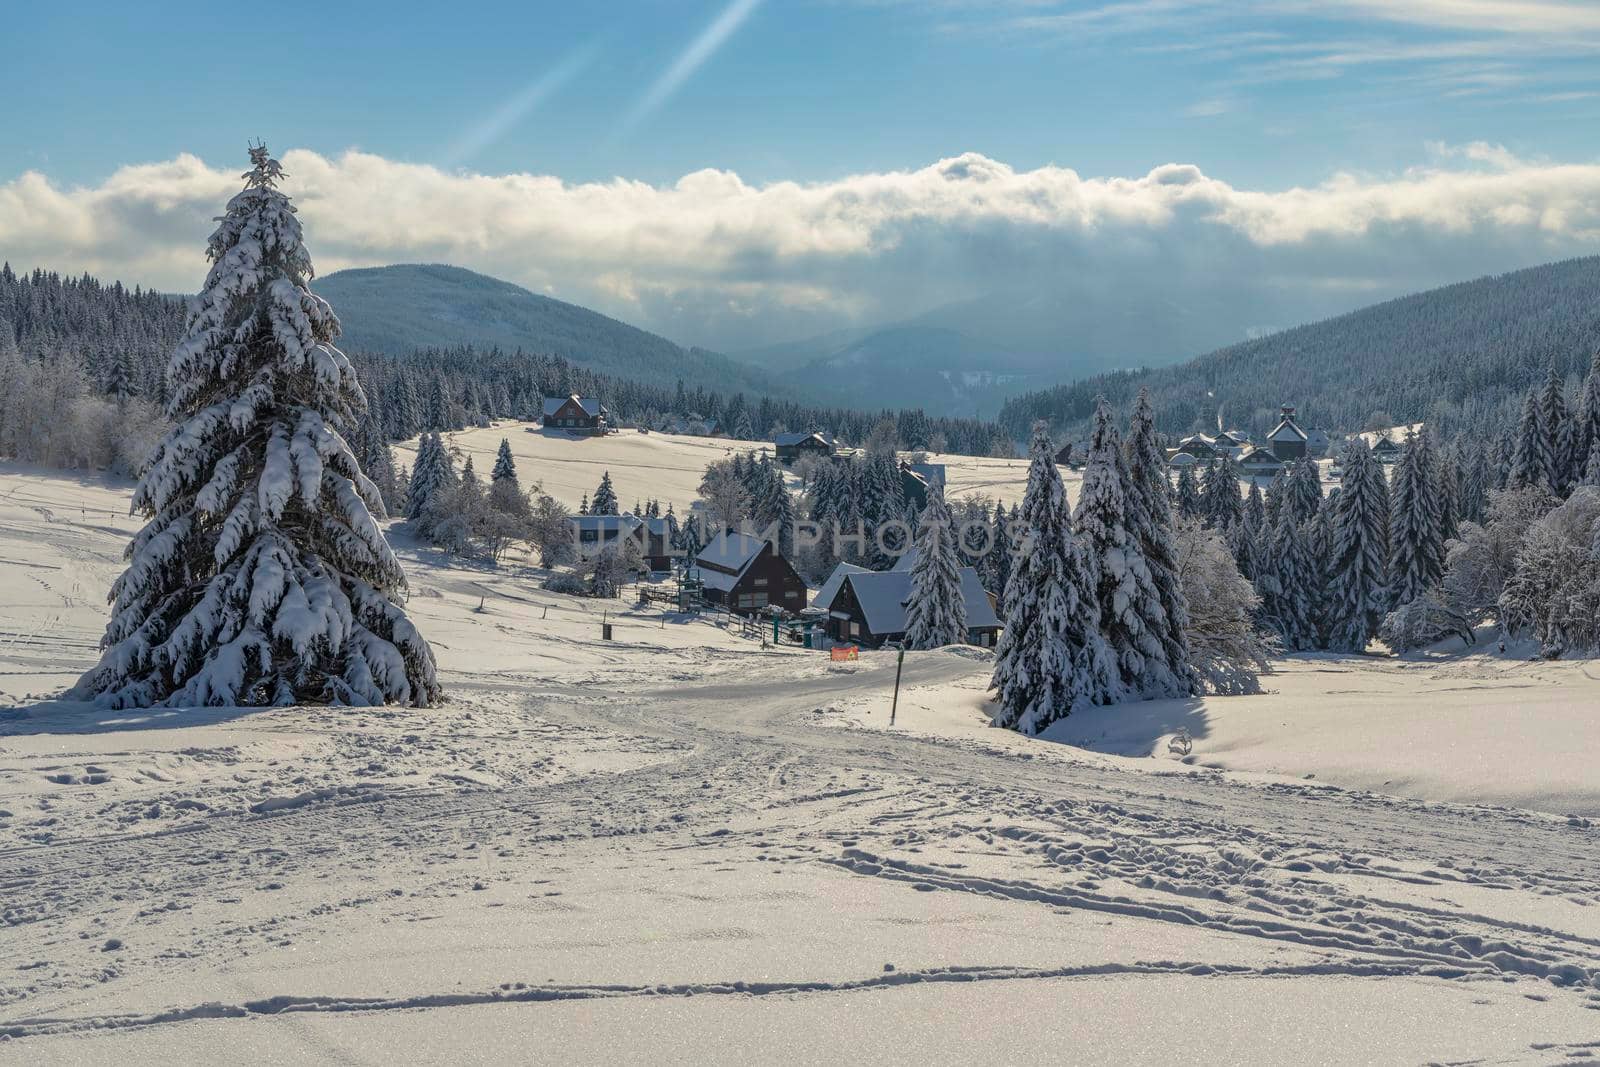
1259	463
869	607
594	532
1287	439
576	414
788	447
746	575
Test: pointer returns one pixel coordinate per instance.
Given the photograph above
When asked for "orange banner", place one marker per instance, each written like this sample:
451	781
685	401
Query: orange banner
844	652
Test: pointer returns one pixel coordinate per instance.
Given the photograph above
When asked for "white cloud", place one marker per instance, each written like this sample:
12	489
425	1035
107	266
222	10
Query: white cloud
714	260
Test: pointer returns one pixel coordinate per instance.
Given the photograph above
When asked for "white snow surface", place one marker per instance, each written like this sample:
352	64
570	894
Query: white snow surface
668	467
680	847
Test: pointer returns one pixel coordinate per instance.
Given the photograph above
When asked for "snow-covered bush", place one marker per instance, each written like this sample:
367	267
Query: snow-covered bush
1480	559
260	576
1226	648
1424	620
1553	593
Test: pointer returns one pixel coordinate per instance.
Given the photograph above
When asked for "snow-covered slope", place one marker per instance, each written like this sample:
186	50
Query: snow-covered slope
681	845
669	467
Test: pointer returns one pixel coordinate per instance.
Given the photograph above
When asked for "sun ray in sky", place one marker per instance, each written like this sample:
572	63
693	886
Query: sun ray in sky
702	48
501	121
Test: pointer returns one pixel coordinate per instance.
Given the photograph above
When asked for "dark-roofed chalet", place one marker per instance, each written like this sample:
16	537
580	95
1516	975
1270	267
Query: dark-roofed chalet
746	575
869	608
594	532
1259	463
788	447
1287	439
575	414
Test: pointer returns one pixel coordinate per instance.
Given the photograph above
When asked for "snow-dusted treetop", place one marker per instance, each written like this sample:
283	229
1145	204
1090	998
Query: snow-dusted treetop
261	576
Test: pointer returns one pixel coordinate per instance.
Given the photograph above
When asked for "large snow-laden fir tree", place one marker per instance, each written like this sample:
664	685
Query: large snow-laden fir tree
1416	534
1132	617
1051	657
1150	511
260	577
936	614
1358	570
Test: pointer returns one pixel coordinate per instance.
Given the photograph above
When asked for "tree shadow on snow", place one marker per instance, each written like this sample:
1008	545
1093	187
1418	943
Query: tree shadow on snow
80	717
1132	729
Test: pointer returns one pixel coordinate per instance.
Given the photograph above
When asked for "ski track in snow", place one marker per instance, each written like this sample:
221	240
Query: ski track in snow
127	860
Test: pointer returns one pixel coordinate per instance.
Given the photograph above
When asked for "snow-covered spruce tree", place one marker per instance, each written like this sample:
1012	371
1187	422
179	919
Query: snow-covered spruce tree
1416	536
1586	419
1150	515
1303	490
260	577
1051	657
1224	507
1553	415
1284	585
936	614
1131	613
1533	453
1358	567
605	497
504	466
1186	497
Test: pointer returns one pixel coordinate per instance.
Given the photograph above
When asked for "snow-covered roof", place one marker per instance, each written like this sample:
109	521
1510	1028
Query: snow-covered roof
907	560
789	439
589	404
729	552
1253	457
883	594
1182	459
932	473
1287	430
830	588
605	522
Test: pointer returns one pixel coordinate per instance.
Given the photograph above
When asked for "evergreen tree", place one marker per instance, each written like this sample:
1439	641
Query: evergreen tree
1586	420
505	468
1187	496
1358	569
1223	506
1051	657
1150	513
1553	416
260	577
1533	460
1284	585
1416	536
604	501
1131	613
1303	491
936	614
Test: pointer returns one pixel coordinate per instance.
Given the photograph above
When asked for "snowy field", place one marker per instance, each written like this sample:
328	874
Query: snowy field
680	847
669	467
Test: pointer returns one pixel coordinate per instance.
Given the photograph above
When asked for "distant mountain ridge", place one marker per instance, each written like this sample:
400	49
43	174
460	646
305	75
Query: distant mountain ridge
1459	357
399	308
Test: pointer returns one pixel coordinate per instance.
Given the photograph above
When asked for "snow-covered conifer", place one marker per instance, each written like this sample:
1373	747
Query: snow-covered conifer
1533	458
1416	536
1131	613
1358	566
1223	506
504	466
260	577
1187	495
1284	585
936	614
1051	657
1303	490
1150	514
605	498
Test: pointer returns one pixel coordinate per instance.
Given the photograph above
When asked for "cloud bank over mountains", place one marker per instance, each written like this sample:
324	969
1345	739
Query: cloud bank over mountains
715	261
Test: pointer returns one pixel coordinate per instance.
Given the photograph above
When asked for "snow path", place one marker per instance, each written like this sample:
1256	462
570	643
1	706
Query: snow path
677	822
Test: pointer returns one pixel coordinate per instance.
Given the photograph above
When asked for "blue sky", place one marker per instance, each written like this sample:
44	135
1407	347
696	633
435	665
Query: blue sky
735	173
805	89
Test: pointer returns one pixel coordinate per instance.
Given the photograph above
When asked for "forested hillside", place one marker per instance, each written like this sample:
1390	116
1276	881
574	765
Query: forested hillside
1458	356
81	384
400	308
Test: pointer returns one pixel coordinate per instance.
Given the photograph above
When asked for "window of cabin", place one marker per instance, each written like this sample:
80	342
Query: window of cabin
759	582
